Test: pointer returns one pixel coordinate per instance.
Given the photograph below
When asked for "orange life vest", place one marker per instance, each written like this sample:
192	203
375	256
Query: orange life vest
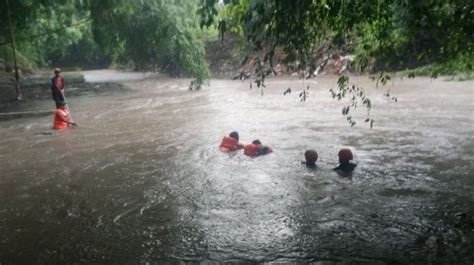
229	144
252	149
61	119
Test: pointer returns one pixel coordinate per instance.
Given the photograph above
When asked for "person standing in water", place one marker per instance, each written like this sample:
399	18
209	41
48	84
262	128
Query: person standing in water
57	88
345	156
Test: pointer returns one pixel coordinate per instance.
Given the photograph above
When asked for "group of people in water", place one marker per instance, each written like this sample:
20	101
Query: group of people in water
231	143
62	120
256	148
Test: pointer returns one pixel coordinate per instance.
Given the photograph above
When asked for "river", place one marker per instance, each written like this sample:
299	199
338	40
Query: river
141	179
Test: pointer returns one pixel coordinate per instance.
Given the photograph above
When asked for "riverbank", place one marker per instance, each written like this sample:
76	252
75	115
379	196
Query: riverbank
449	71
226	61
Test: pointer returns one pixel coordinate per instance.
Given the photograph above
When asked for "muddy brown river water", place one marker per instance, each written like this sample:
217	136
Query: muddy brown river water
141	180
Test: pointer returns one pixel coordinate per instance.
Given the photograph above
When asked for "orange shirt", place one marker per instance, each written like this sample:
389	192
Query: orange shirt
61	119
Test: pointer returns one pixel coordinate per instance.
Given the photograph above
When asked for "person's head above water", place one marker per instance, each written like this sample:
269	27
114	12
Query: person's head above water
256	141
311	156
345	155
234	135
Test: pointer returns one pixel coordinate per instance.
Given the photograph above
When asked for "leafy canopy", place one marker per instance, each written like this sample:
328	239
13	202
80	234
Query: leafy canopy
144	35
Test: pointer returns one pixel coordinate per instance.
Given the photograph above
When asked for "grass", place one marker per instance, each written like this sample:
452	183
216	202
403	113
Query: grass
457	69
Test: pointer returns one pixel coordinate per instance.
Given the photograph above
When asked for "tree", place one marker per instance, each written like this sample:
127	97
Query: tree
431	31
145	35
151	35
42	28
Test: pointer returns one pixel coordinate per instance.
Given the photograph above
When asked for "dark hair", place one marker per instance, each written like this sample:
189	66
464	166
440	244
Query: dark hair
256	141
265	150
234	135
311	156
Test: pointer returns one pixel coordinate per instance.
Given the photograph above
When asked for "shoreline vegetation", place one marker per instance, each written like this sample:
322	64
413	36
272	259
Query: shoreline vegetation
196	38
223	61
35	83
455	69
224	64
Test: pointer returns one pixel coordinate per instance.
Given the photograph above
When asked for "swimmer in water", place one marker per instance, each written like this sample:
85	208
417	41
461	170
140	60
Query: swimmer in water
231	143
256	149
311	156
345	164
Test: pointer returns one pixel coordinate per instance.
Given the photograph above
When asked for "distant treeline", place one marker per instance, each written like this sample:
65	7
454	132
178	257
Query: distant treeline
143	35
170	35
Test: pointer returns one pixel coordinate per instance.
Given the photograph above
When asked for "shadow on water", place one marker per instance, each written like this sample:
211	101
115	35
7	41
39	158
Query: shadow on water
143	181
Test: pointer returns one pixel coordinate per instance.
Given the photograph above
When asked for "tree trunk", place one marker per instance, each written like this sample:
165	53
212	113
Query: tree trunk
17	75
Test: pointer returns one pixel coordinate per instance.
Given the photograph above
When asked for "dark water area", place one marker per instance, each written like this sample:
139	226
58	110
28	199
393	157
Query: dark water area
142	181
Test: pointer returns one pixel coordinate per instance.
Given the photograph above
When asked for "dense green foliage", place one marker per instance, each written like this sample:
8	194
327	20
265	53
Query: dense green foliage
143	35
43	29
165	35
151	35
385	34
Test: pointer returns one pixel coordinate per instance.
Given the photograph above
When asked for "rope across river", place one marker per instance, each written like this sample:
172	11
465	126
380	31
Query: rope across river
26	112
37	112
